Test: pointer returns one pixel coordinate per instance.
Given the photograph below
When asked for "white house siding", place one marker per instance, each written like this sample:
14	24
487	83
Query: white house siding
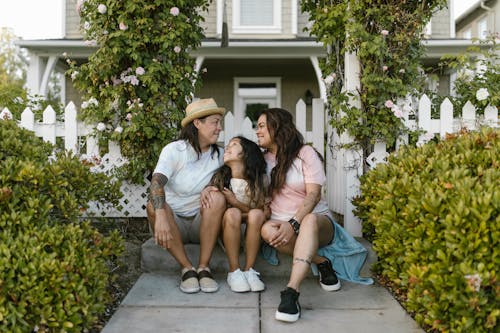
72	21
210	24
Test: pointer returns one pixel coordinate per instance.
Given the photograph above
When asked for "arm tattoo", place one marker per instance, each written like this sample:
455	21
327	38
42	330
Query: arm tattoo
156	190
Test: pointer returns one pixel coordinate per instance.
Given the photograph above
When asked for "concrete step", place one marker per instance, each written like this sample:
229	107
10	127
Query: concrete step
156	259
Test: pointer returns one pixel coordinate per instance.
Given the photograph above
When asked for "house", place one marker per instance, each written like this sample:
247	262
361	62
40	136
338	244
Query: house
480	20
270	60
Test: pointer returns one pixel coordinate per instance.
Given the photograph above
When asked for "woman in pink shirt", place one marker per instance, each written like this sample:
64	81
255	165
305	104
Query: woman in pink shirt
300	221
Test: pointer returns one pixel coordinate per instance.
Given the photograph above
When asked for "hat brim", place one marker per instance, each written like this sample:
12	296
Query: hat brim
202	114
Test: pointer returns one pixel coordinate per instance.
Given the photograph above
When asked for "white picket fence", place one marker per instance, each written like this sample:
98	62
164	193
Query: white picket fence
343	167
77	135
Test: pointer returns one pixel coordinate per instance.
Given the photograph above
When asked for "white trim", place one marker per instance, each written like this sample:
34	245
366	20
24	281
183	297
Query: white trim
451	11
319	78
262	29
199	63
294	17
220	11
238	115
49	68
63	21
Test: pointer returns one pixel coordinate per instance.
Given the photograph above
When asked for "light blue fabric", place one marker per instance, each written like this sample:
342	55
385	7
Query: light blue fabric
346	254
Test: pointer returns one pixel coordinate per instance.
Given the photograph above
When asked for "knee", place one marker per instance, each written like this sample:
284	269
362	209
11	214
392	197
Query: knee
217	203
232	218
256	217
266	232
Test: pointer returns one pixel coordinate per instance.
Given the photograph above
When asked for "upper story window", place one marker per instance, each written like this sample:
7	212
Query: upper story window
256	16
482	28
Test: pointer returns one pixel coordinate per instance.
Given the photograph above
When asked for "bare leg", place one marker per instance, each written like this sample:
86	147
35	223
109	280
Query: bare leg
176	246
231	231
312	229
211	220
255	220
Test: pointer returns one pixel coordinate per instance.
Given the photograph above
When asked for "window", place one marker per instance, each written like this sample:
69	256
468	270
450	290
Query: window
256	16
467	34
482	28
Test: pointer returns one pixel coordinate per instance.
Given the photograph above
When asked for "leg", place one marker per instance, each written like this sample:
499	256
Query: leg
176	245
211	220
313	228
255	220
231	235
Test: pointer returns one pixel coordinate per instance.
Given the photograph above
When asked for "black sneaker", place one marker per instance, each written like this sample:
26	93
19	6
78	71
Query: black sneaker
289	309
327	277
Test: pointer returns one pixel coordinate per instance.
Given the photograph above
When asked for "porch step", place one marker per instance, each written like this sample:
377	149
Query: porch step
156	259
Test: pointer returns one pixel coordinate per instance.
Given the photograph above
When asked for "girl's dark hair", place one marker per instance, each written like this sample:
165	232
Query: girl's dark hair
190	134
255	173
288	141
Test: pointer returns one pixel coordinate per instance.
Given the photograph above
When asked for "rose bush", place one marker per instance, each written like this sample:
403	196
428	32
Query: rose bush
138	82
386	38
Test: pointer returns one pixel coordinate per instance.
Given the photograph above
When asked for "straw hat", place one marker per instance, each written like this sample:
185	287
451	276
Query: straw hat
201	108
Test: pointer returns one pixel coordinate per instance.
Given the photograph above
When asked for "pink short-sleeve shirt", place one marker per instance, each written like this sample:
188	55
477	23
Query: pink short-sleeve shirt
307	168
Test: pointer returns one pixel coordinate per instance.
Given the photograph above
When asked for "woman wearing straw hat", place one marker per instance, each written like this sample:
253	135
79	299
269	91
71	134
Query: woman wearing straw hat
177	194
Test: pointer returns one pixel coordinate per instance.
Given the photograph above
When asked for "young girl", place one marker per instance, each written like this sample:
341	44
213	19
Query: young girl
242	179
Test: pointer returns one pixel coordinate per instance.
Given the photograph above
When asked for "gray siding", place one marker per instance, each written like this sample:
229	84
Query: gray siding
72	23
441	24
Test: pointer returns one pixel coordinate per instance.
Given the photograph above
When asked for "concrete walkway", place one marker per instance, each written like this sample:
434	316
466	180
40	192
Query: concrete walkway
155	303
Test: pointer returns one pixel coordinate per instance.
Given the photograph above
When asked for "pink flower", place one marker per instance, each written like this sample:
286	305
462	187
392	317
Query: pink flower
174	11
139	71
389	104
129	116
79	5
384	32
119	129
385	68
177	49
402	71
101	127
397	112
134	80
123	26
102	8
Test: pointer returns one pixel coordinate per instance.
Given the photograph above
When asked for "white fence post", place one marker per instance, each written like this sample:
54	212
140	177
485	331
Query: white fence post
49	129
70	128
28	119
446	118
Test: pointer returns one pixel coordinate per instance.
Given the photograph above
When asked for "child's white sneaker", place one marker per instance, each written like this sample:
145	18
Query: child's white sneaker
237	281
254	280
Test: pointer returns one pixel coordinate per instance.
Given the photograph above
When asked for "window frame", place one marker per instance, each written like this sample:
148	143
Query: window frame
275	28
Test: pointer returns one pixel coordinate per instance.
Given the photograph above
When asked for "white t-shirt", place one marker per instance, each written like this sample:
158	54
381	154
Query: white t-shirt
187	175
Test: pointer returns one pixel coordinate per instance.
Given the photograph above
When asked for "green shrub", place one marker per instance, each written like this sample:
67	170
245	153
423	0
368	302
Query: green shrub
55	267
433	215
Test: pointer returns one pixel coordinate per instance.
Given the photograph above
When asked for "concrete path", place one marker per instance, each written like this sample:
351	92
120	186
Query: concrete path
155	304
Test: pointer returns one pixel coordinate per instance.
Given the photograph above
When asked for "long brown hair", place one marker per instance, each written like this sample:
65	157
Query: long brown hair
288	141
255	173
190	134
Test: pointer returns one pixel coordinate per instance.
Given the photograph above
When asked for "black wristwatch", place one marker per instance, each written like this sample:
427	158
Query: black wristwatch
295	225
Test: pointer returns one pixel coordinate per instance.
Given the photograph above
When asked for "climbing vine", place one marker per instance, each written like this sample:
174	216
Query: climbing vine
386	37
138	82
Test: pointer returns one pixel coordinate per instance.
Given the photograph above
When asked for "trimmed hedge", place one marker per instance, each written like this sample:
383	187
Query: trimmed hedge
54	267
432	213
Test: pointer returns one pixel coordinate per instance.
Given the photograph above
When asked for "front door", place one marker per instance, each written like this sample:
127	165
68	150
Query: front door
251	95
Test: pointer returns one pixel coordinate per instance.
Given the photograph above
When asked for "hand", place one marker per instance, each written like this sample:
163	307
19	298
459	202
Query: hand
283	235
205	197
230	197
163	235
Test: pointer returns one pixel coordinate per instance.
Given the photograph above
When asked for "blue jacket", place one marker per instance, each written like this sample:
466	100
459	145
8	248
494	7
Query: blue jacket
346	254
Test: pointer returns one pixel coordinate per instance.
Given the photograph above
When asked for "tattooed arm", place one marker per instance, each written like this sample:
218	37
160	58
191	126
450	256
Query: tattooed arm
162	232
